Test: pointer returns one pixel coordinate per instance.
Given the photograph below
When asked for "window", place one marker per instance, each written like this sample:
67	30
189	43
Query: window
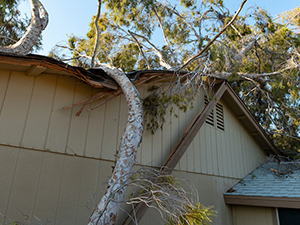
289	216
216	117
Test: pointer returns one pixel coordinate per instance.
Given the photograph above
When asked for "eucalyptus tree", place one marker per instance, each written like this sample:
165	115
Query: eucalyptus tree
257	54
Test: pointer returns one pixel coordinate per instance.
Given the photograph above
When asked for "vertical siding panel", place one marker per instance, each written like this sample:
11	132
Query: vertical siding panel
241	150
88	187
69	192
220	153
49	187
182	125
78	127
8	160
203	151
15	108
24	188
95	130
191	113
157	148
147	142
175	131
209	153
196	142
237	148
244	155
58	130
166	139
4	81
214	152
123	114
39	112
110	142
197	156
146	147
231	146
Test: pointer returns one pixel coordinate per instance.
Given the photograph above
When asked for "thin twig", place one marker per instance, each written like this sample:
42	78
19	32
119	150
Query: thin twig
212	40
141	50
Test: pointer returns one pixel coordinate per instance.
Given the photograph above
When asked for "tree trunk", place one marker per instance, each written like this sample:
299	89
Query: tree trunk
108	208
37	25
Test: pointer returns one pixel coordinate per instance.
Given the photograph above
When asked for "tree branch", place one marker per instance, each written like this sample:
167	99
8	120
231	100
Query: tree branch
162	62
164	35
212	41
4	37
140	48
97	34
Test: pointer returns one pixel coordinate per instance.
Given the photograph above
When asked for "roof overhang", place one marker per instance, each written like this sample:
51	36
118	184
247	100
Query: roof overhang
280	202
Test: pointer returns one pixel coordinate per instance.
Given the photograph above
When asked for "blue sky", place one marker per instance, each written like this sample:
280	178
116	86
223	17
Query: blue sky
73	16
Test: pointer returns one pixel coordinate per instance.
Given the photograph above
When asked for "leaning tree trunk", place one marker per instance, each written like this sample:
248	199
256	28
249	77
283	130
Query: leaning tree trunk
37	25
108	208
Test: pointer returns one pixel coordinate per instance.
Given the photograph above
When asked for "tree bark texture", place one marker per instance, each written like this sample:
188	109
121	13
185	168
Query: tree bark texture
108	208
37	25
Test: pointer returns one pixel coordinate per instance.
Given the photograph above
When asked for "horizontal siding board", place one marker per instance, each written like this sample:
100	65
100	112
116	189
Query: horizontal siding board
15	108
39	112
58	130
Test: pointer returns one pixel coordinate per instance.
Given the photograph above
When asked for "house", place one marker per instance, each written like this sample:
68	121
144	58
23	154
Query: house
269	195
53	162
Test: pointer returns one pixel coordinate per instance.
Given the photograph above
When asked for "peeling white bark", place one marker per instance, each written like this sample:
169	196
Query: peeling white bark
107	210
37	25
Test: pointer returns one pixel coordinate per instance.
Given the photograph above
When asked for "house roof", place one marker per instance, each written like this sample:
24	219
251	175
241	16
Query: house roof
34	65
271	185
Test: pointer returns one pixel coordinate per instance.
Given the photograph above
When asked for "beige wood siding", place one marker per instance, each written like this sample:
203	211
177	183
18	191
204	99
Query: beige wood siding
52	160
50	186
246	215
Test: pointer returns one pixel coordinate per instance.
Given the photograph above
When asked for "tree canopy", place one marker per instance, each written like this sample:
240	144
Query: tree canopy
257	54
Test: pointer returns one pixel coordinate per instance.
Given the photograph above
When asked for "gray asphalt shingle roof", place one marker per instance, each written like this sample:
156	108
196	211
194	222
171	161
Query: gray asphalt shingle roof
270	180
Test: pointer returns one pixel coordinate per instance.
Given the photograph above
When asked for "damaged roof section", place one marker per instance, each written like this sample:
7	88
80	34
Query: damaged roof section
96	77
273	184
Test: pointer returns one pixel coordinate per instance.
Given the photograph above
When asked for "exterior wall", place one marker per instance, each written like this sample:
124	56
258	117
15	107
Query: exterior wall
52	160
247	215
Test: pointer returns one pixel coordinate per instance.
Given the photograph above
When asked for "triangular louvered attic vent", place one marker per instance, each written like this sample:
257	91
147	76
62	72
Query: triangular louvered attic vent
219	114
210	118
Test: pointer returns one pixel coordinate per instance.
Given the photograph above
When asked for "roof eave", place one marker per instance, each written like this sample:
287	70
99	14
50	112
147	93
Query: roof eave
262	201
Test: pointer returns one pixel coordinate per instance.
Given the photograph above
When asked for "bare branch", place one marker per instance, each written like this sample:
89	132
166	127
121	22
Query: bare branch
164	35
212	40
4	37
140	48
97	33
162	62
